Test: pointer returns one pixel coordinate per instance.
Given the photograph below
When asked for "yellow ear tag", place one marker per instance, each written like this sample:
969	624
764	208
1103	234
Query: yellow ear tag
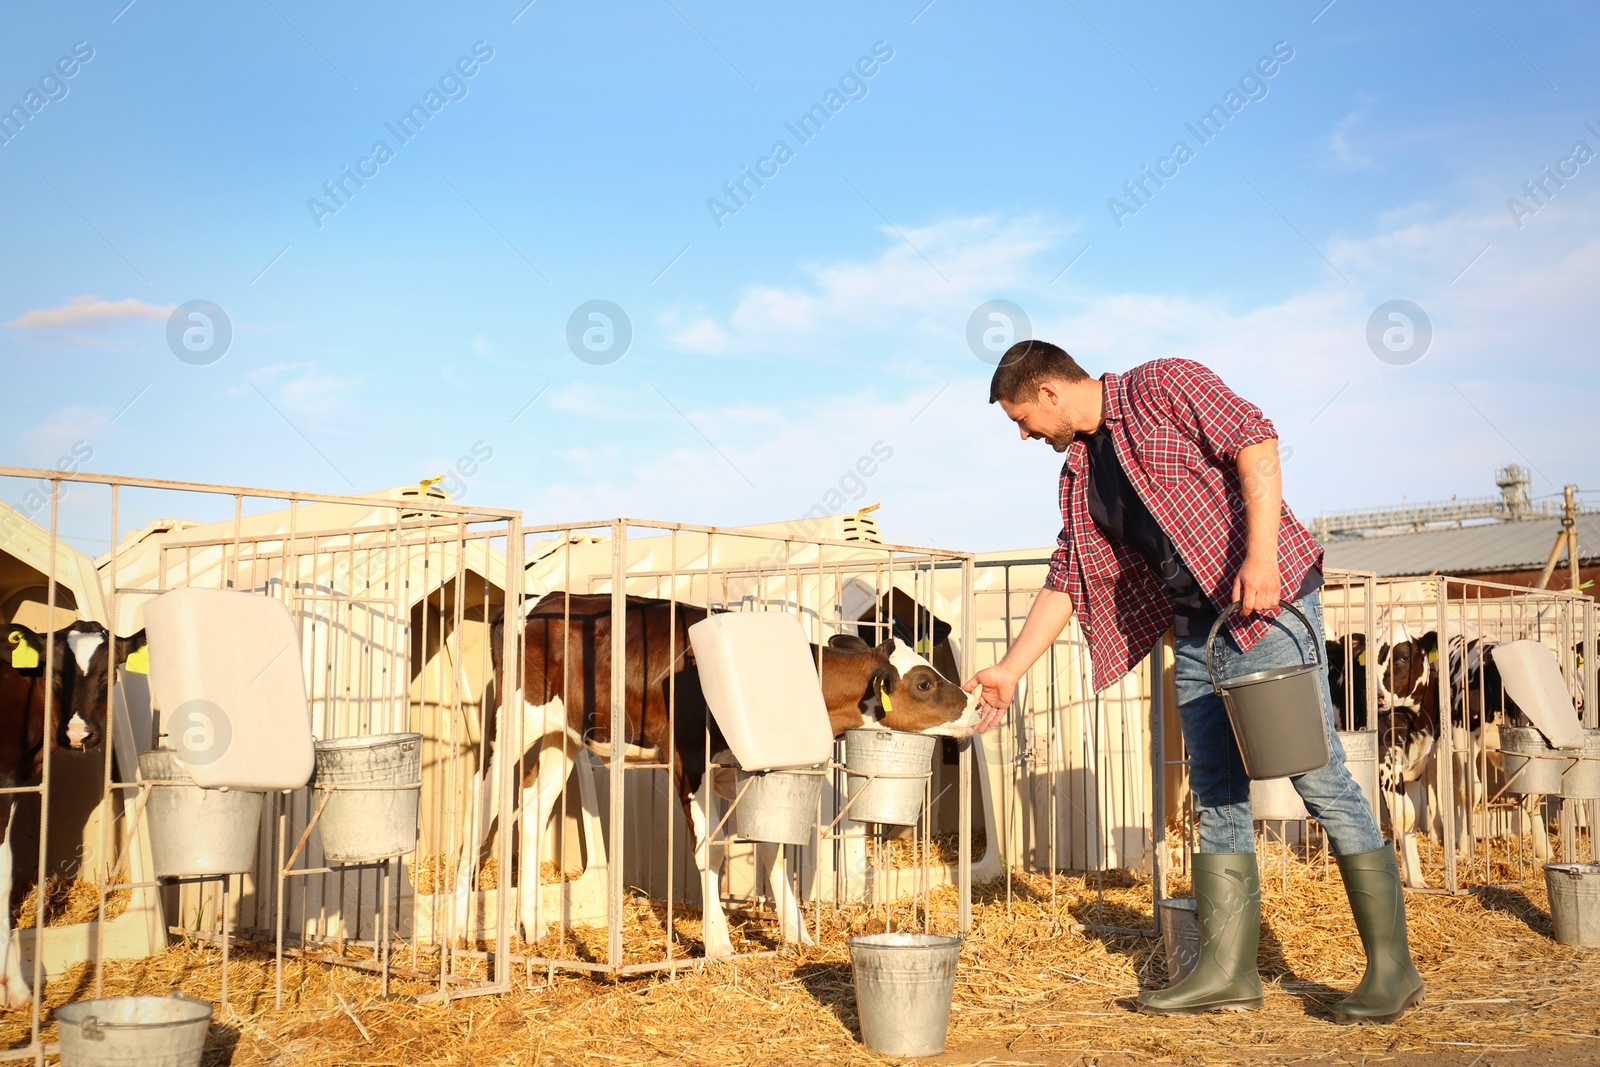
925	647
1433	656
883	698
1362	659
24	656
138	662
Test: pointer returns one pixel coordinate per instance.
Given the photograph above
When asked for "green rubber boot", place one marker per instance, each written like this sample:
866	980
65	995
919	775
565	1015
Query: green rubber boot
1227	894
1391	984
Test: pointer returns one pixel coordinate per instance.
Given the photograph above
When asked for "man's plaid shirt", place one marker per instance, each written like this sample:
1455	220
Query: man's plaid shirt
1178	431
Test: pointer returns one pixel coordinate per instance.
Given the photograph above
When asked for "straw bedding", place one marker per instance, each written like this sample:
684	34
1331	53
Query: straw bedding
1031	989
68	902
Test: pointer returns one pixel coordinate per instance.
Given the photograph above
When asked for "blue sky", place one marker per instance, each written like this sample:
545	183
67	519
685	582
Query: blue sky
380	343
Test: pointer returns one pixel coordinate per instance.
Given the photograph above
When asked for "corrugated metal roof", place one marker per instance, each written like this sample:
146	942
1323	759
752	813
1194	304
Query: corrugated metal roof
1466	549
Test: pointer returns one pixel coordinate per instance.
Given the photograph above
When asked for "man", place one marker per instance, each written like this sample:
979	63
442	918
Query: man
1172	509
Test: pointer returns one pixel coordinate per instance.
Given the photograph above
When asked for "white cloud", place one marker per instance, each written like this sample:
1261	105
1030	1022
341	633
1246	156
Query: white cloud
910	285
1341	155
700	335
89	313
301	388
1507	378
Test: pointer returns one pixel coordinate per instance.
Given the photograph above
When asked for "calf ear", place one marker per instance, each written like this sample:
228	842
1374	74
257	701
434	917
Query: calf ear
885	680
886	649
848	643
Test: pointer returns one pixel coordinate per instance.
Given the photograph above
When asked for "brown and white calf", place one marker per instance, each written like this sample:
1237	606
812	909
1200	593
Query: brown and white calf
564	704
1410	723
80	655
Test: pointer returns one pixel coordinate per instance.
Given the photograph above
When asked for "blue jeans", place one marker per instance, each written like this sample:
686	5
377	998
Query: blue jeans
1216	771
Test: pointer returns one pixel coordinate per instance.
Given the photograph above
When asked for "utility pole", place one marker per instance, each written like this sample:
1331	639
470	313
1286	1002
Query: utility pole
1568	538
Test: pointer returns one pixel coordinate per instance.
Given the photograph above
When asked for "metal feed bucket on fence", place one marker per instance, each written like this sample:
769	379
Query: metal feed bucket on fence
193	830
888	774
1531	765
165	1031
1276	714
1574	902
361	825
904	985
779	807
1581	780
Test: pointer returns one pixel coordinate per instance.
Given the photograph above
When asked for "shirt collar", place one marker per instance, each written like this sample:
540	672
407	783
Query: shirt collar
1115	404
1115	396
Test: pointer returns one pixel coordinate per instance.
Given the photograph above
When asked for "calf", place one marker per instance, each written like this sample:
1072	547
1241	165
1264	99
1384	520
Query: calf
565	702
80	655
1411	675
1408	730
1347	680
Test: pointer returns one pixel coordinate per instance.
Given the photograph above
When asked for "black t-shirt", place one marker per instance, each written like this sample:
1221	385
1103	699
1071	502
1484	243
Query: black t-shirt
1122	517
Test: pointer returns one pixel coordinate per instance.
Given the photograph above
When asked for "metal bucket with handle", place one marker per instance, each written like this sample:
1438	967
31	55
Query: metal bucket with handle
1276	714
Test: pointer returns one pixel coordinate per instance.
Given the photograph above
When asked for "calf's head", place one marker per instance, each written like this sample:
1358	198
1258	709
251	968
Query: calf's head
83	655
912	696
1404	671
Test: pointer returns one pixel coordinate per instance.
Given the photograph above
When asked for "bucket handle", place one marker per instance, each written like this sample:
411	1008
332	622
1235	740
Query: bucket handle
1228	613
90	1028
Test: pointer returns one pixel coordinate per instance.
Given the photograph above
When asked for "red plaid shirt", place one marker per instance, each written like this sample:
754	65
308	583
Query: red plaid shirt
1178	431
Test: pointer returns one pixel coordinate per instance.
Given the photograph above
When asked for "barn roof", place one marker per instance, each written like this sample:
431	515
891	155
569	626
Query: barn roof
1496	546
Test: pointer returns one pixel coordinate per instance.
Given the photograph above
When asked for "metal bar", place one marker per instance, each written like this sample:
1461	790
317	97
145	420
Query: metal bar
969	648
1158	776
238	490
619	660
1443	748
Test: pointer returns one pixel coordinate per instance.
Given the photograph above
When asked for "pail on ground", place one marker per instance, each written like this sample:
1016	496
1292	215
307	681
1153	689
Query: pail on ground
904	985
364	825
1180	936
1574	902
1276	714
906	759
1531	765
195	831
1581	781
779	807
133	1031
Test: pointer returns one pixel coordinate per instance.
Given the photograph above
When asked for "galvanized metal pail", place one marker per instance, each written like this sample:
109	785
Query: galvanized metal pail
1532	767
1574	902
193	830
902	763
904	985
1180	936
362	825
1581	780
779	807
165	1031
1276	714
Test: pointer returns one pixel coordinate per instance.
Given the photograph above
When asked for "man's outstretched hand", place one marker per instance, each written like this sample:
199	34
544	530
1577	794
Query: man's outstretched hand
997	688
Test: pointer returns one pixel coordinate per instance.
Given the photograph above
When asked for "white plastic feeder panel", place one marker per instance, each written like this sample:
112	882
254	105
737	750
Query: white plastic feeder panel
1532	678
761	685
225	672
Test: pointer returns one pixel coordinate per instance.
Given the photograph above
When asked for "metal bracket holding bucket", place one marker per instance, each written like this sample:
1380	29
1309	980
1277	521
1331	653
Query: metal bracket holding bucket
1276	714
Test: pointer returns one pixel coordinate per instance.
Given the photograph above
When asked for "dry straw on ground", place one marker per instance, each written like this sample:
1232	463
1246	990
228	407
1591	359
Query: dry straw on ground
1032	988
68	902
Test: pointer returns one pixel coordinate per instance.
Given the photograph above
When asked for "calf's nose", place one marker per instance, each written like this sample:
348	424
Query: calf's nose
77	731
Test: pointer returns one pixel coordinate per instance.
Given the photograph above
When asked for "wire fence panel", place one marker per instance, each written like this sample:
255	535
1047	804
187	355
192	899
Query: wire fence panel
631	840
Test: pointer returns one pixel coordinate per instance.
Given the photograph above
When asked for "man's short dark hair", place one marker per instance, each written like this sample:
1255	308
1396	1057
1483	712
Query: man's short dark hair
1028	364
